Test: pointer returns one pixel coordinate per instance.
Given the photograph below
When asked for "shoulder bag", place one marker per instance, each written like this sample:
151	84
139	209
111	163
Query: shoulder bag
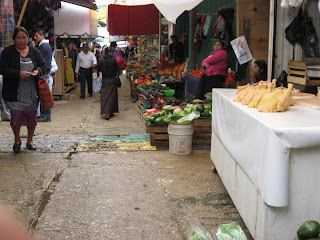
45	94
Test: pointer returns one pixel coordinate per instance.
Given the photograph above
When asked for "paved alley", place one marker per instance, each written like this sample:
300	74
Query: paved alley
60	193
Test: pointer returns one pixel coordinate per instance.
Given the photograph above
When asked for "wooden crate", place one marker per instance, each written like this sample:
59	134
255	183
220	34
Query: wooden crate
202	132
141	111
297	73
159	135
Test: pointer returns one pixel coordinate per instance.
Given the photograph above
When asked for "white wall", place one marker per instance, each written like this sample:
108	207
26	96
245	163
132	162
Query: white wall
285	51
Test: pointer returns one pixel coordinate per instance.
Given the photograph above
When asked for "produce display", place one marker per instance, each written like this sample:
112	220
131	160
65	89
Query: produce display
265	96
183	114
197	73
309	230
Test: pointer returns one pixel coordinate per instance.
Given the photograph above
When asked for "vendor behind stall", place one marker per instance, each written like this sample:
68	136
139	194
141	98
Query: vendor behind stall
216	69
260	70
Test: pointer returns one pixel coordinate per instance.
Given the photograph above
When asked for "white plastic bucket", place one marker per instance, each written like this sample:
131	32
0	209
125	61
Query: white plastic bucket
180	138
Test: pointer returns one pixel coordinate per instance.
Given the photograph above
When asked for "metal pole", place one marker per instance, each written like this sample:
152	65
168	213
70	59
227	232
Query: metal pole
190	39
271	38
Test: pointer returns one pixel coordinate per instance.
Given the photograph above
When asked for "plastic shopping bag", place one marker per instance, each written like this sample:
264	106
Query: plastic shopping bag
241	49
96	84
197	232
230	231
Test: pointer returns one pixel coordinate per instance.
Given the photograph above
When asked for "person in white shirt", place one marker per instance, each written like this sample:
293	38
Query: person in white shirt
86	62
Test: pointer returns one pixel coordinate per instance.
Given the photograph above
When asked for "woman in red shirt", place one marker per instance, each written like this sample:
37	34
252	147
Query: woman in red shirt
216	67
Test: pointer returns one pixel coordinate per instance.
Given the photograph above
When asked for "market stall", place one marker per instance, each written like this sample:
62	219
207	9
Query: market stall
268	162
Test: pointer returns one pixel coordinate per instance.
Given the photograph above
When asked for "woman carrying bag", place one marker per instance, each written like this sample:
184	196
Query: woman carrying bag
19	66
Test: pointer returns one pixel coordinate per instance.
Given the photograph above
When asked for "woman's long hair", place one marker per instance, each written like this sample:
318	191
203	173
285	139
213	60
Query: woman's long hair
264	69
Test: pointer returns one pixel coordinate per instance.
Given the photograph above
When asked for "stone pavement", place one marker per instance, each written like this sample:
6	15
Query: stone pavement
62	194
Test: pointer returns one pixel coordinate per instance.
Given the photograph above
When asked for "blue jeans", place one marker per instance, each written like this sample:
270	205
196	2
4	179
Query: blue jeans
5	109
46	113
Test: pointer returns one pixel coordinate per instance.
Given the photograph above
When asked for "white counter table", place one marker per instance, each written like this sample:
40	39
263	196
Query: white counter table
269	163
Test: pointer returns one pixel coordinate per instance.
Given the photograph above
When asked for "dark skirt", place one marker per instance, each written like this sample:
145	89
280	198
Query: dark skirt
214	81
206	83
109	96
23	118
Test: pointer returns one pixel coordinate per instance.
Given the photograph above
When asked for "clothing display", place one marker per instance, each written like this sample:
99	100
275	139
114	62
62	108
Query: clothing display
291	3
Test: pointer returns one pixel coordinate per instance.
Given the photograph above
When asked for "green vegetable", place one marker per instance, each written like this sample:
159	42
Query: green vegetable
150	119
155	115
199	234
188	118
208	95
207	106
200	108
168	107
162	113
177	111
197	101
230	231
309	229
159	120
296	238
187	110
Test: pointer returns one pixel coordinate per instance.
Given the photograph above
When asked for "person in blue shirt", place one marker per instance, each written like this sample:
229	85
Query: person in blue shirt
46	51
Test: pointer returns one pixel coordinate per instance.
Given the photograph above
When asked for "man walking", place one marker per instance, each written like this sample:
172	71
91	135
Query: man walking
46	52
86	61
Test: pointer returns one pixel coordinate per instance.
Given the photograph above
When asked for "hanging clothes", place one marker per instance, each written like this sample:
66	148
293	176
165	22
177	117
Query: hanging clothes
69	74
291	3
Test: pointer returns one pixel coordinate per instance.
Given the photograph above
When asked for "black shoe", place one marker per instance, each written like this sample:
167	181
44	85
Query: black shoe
43	120
82	97
16	148
31	146
5	119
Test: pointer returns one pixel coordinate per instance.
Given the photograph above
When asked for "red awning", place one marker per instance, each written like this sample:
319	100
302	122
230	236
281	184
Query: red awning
133	20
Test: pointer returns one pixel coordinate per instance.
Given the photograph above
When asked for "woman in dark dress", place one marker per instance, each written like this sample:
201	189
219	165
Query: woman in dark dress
108	66
19	66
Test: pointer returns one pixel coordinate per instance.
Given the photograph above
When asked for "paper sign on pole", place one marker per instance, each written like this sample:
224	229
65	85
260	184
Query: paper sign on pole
241	49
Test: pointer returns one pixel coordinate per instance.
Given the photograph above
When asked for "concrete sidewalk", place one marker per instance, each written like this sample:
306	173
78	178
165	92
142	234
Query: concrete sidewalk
62	194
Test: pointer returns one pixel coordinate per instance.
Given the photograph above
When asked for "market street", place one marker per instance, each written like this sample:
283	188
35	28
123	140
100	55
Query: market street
102	193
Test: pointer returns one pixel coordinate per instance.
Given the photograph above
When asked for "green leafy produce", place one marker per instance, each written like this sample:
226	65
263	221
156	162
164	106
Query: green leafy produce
200	108
156	115
168	107
188	118
199	234
309	229
208	95
177	111
206	114
207	106
197	101
296	238
162	113
150	119
160	120
187	110
230	232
